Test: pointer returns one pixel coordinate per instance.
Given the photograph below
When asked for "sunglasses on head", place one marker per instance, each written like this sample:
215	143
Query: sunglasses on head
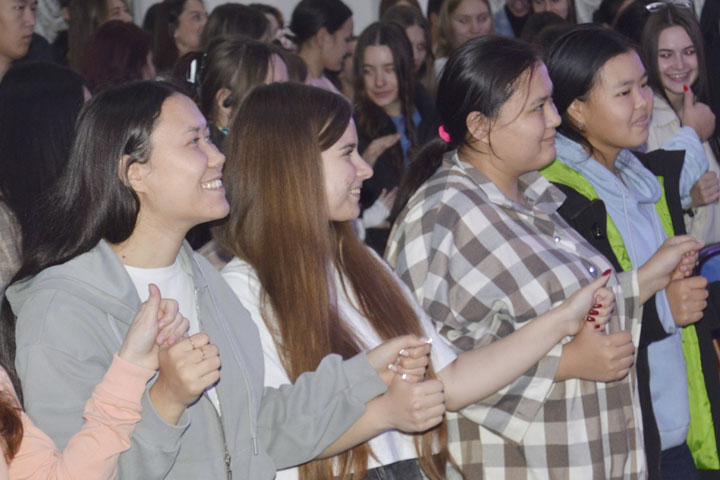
660	6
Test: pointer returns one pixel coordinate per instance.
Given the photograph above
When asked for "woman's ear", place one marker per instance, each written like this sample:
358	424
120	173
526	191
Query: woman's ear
133	175
223	107
577	111
478	127
323	38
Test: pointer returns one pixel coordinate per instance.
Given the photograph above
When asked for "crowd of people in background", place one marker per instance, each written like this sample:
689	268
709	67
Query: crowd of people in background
473	240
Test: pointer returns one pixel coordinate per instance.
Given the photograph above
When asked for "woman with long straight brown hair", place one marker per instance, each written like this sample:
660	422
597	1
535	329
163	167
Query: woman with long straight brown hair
294	187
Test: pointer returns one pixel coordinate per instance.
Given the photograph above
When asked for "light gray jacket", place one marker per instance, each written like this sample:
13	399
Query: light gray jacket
73	317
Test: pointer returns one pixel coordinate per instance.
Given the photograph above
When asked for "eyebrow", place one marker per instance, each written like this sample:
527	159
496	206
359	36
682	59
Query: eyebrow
671	50
627	83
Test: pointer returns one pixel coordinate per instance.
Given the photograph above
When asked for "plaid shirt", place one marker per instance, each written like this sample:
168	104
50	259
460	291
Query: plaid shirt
483	266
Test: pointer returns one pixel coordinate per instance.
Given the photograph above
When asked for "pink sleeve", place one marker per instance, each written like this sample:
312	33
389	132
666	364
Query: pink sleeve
110	417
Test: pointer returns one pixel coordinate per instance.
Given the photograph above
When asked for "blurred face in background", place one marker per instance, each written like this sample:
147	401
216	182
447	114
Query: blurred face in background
471	18
17	21
190	26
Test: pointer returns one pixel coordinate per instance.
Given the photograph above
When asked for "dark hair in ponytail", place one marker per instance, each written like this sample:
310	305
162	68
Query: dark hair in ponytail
480	76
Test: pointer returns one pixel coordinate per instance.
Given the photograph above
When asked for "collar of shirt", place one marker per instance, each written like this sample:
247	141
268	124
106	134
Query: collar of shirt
540	194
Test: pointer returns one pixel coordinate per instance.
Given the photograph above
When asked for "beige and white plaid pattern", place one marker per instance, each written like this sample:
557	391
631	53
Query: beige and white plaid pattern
483	266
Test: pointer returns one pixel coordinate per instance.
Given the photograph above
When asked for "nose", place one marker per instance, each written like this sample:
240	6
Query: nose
679	62
380	79
29	16
552	118
474	26
215	158
642	99
362	170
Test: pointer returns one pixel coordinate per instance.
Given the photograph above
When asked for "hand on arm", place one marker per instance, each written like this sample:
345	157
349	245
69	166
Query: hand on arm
675	253
687	298
378	146
706	190
483	371
187	368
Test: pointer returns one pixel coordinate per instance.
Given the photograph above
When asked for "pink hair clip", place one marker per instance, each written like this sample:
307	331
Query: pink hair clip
444	134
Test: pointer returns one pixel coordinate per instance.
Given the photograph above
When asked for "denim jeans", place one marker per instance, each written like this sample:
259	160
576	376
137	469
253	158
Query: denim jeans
678	464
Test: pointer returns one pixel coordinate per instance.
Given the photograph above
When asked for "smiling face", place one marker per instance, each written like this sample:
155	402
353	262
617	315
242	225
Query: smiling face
344	171
416	35
470	19
180	186
617	111
523	135
380	79
17	20
190	25
677	60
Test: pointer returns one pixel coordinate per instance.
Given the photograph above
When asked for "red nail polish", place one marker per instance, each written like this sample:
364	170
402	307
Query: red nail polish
593	312
590	319
607	272
685	88
599	305
597	327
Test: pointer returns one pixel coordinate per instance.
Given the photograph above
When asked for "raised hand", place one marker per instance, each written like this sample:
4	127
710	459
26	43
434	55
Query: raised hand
675	257
187	369
378	146
697	115
157	321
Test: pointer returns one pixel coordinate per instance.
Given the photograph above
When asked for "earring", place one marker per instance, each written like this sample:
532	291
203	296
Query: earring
581	126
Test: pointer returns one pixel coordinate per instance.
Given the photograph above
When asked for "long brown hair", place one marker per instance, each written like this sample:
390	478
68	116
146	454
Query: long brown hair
279	224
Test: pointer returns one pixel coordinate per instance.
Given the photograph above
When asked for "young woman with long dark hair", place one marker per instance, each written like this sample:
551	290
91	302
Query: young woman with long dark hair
389	104
627	204
674	55
114	223
322	30
301	268
480	243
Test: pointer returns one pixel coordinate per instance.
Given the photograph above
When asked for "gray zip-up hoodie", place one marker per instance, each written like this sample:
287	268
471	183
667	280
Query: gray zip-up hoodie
73	317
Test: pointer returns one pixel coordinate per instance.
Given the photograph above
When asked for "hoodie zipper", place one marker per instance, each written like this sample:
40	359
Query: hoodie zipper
218	411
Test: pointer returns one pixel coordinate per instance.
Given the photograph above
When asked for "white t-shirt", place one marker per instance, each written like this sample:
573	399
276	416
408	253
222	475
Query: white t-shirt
176	283
389	447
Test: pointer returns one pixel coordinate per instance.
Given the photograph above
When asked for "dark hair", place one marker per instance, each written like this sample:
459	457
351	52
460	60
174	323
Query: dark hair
385	5
87	16
630	21
231	19
537	22
309	16
238	64
39	103
148	23
369	117
480	76
90	201
118	53
573	63
607	11
296	66
673	16
166	18
433	6
709	19
270	10
407	16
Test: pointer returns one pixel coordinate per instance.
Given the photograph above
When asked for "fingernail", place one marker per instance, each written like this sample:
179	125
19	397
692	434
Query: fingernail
426	340
392	367
599	305
404	376
685	88
597	327
403	353
593	312
590	319
607	272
